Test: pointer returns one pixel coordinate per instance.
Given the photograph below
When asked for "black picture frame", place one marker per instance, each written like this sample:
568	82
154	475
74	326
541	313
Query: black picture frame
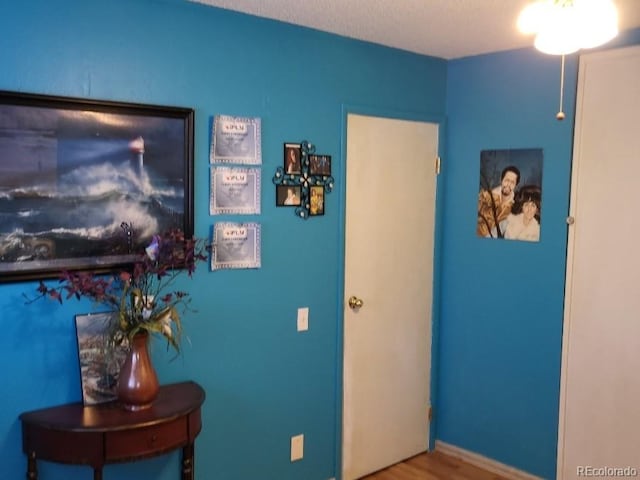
320	165
84	184
288	195
316	201
292	158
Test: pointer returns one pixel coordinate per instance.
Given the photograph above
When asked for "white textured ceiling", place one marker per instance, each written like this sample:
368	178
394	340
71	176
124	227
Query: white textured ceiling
441	28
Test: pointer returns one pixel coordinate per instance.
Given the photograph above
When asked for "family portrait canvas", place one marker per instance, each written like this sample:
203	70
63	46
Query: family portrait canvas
510	196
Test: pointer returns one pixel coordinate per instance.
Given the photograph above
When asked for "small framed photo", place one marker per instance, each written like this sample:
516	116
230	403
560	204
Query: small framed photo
320	165
288	195
100	363
292	158
316	200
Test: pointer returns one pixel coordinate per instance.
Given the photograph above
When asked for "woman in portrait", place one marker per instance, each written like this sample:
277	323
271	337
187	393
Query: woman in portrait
523	223
292	162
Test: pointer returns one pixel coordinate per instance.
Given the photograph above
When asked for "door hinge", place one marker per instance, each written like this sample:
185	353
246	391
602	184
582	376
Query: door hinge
438	161
430	413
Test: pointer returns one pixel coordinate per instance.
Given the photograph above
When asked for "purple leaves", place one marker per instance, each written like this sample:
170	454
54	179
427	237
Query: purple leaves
151	279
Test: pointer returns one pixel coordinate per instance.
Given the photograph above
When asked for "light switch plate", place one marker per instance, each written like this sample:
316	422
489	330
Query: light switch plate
297	447
303	319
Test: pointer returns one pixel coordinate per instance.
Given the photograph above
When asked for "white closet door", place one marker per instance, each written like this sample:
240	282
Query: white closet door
600	387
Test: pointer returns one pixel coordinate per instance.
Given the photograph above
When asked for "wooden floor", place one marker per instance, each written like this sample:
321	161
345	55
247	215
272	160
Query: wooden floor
433	466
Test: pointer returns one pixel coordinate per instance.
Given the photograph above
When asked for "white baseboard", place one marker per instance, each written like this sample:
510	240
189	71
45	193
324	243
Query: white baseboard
484	462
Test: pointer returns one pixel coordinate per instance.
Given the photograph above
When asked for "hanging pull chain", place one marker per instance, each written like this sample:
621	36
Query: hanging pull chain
560	114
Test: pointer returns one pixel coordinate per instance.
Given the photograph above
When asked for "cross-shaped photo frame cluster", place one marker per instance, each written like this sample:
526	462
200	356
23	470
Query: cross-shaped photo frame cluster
303	179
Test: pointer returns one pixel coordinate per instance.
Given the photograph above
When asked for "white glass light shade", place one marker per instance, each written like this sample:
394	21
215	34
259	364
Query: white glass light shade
565	26
557	33
532	17
597	22
555	42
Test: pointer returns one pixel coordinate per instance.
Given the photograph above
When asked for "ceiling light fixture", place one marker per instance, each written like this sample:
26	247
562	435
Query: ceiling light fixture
563	27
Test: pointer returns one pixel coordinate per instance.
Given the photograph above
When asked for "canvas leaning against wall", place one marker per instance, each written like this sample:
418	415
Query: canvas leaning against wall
510	197
100	363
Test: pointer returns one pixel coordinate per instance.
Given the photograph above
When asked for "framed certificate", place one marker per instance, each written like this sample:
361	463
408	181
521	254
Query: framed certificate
236	140
235	190
236	245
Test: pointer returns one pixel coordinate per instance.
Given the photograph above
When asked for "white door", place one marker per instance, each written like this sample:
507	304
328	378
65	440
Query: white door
390	209
600	388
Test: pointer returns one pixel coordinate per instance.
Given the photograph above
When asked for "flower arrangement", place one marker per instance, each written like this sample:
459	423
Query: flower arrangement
143	298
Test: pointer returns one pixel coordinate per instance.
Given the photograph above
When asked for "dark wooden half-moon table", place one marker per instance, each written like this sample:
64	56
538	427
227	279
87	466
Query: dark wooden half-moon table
106	433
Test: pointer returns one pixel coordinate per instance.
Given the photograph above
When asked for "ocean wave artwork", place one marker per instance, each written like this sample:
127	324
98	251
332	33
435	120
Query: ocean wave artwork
65	194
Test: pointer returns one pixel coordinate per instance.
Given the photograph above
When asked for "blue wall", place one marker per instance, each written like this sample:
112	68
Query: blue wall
500	333
264	381
502	301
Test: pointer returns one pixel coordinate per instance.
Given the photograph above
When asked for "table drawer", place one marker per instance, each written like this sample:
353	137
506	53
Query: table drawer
63	447
147	441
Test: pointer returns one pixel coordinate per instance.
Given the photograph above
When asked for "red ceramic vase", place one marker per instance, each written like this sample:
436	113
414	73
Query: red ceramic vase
138	383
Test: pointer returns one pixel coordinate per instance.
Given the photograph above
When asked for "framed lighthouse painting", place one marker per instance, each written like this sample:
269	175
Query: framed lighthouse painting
85	184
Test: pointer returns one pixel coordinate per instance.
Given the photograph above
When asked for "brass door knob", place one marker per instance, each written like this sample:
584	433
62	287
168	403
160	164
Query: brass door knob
355	302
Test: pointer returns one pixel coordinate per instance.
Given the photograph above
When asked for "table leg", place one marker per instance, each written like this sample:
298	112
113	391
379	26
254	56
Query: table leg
32	467
97	473
187	462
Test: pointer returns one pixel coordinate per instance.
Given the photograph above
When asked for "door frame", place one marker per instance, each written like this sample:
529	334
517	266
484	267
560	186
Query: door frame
440	120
